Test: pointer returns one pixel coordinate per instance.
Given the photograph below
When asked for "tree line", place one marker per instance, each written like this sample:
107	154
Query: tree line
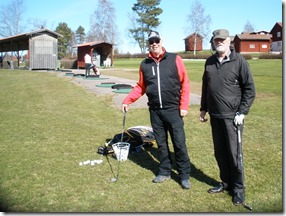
143	18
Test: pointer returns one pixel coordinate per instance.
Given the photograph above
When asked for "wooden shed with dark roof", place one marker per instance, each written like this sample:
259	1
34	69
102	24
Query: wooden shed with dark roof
194	42
252	43
99	50
276	33
42	47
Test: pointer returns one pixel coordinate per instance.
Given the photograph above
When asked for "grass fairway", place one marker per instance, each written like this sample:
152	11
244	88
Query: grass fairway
49	125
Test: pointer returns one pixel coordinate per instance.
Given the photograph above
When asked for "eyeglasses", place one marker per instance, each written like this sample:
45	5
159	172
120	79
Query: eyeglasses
157	41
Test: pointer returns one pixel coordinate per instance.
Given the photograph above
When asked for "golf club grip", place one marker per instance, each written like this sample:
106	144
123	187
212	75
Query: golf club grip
239	134
123	126
124	119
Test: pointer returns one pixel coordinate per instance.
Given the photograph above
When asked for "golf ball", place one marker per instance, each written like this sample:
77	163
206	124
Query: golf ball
113	179
98	161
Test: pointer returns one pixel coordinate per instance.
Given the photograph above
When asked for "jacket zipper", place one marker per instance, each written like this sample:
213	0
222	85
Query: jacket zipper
159	85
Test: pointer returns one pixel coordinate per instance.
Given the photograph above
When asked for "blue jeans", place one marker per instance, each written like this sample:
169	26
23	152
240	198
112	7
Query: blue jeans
164	121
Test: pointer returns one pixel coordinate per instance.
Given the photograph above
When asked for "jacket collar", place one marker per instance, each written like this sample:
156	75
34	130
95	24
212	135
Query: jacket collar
160	56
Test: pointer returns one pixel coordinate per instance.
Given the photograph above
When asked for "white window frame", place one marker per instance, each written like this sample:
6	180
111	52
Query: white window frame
252	46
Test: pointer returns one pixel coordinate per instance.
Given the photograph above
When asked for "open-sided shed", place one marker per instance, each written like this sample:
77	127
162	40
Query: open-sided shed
42	47
99	50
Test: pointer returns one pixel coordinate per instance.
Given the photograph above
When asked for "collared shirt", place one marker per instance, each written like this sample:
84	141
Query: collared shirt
225	58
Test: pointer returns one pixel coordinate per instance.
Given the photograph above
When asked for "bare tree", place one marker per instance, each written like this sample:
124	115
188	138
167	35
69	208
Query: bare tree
102	23
37	23
248	27
199	22
11	18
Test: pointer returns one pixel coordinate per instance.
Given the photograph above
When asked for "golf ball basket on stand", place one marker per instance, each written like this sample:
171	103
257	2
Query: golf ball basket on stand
121	150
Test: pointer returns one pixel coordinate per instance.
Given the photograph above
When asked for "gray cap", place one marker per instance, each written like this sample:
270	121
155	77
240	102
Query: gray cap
220	33
154	34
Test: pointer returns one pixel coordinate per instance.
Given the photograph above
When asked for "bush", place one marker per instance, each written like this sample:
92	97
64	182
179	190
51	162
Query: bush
270	56
247	56
129	55
68	64
27	63
192	56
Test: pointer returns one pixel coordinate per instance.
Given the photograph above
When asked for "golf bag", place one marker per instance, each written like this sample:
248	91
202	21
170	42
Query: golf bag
137	137
95	69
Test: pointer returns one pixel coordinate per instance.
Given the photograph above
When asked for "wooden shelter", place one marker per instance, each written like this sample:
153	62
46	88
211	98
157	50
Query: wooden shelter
194	42
42	47
99	50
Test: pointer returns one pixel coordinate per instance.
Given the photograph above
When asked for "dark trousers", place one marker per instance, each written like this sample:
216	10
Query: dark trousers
226	151
164	121
87	69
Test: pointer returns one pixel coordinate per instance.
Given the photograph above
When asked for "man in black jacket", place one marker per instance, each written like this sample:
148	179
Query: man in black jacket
227	94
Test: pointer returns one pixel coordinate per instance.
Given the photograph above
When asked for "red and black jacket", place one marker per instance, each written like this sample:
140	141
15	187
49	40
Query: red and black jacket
165	82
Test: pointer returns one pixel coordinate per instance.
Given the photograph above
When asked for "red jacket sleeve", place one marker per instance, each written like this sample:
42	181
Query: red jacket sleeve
137	91
185	83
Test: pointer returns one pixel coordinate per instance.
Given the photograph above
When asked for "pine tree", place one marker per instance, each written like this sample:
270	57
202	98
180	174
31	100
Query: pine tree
144	19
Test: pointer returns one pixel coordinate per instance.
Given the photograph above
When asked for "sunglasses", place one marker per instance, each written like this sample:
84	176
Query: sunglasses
157	41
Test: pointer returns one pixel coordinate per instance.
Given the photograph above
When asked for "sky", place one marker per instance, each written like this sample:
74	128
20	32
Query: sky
231	15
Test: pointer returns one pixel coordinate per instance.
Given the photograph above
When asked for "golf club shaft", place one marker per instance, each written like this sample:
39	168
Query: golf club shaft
122	134
240	155
123	126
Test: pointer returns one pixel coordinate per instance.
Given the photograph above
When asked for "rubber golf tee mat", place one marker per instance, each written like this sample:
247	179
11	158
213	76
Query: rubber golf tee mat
123	91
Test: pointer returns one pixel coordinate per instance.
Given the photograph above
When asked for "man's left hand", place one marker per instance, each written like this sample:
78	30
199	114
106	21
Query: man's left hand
238	119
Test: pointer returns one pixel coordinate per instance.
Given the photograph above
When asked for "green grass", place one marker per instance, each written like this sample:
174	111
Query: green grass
49	125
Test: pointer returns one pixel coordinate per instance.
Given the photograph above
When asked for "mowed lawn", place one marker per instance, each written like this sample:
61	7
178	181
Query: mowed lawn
48	125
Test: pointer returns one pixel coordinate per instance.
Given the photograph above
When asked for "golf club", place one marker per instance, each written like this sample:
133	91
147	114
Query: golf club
240	155
115	179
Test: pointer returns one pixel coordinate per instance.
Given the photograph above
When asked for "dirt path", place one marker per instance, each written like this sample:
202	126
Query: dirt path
91	85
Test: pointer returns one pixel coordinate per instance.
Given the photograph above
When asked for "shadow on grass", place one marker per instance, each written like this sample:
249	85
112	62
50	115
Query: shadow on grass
148	159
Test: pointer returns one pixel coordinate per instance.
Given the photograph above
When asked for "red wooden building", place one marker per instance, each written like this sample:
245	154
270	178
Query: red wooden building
194	42
276	33
251	43
99	51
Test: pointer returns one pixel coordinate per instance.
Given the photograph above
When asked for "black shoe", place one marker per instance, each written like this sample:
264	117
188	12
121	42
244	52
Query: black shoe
160	179
186	184
238	198
218	189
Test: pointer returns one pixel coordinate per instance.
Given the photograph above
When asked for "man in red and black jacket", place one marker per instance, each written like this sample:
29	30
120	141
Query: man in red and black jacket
163	77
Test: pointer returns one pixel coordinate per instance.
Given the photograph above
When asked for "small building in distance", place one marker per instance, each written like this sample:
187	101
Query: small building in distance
252	42
98	50
42	47
276	33
194	42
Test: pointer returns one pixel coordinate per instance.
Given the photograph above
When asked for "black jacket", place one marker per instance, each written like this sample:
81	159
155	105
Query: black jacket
162	81
227	87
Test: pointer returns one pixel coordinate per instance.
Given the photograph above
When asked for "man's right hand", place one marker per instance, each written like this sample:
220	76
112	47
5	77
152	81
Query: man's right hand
124	108
202	116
